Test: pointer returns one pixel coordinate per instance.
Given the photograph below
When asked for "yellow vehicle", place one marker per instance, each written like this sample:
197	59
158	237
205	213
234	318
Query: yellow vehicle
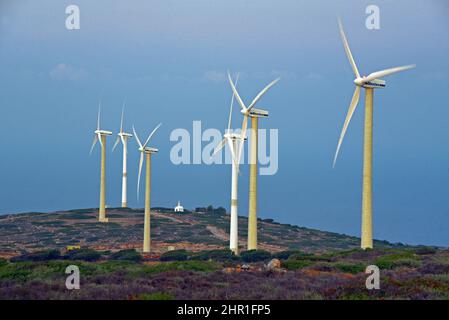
70	248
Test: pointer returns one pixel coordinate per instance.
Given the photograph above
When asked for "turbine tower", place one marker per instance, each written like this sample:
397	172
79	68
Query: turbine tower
148	152
254	114
369	83
100	135
123	137
233	140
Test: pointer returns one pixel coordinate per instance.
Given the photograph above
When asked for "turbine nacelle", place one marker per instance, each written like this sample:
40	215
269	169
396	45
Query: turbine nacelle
103	132
258	113
124	135
234	136
148	150
374	84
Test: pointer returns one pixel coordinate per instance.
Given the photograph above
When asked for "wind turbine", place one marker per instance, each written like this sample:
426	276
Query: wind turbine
100	135
148	152
233	140
123	137
369	83
254	114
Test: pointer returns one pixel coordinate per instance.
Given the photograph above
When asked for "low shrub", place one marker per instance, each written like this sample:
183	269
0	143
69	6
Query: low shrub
425	250
255	255
155	296
224	255
175	255
392	261
38	256
83	255
15	271
284	255
127	255
353	268
295	264
200	266
3	262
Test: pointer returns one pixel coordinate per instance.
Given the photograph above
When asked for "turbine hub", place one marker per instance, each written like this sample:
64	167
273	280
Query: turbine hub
358	82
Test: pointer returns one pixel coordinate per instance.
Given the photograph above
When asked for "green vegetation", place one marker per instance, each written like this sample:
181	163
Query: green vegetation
284	255
353	268
38	256
216	255
127	255
255	255
83	254
175	255
296	264
199	266
155	296
391	261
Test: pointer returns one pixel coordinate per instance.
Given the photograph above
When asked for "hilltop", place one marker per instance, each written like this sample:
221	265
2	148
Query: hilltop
192	231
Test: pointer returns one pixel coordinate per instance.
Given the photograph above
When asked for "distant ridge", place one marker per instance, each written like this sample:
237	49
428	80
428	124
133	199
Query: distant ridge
189	230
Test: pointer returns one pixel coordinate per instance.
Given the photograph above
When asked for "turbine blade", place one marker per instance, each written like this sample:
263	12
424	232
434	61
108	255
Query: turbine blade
121	120
232	104
140	171
100	140
99	112
219	147
231	147
348	50
387	72
234	90
116	143
261	93
93	144
151	134
137	137
352	107
242	137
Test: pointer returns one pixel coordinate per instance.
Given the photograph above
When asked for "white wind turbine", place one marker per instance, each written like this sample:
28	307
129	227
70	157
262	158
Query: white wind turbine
123	137
232	140
148	152
369	83
254	114
100	135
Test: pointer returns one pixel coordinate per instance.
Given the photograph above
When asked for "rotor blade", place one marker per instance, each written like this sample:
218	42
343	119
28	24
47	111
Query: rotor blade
140	171
232	104
348	50
121	120
99	139
219	147
242	137
116	143
261	93
231	147
137	137
234	90
98	118
93	144
352	107
151	134
387	72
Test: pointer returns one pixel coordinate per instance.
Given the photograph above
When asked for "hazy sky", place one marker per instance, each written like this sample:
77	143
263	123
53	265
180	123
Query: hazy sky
168	58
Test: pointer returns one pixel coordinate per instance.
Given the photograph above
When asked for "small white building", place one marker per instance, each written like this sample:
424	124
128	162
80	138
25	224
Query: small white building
179	208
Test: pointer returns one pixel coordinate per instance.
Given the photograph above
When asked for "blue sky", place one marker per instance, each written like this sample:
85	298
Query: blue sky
168	59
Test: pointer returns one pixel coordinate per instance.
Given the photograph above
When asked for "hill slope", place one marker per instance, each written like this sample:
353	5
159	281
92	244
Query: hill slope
192	231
